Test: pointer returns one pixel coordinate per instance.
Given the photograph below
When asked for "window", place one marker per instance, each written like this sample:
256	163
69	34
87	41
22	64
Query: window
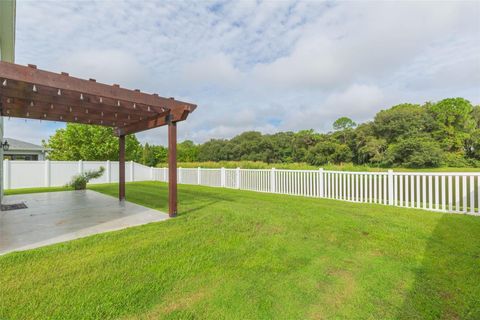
26	157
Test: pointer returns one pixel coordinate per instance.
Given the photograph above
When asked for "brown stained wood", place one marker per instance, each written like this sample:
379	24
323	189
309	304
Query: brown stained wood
67	98
153	122
172	169
11	106
35	115
59	97
121	166
58	81
142	125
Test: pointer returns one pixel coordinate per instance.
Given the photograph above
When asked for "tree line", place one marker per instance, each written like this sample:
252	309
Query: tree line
444	133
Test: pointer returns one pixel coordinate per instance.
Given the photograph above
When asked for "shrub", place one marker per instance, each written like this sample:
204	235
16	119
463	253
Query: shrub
79	182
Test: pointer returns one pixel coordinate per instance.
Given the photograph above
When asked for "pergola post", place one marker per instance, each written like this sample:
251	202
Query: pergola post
172	169
121	166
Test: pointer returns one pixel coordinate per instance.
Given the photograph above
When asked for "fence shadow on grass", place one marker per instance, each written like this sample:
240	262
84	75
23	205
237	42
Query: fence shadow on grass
197	208
199	199
451	256
191	198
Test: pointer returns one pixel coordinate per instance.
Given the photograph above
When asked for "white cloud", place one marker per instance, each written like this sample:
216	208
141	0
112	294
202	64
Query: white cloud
32	131
262	65
109	66
359	102
356	41
213	70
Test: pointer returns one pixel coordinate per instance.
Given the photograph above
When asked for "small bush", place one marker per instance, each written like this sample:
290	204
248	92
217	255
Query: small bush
79	182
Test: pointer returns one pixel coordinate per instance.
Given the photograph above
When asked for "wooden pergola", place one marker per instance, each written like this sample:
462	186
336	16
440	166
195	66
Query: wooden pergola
27	92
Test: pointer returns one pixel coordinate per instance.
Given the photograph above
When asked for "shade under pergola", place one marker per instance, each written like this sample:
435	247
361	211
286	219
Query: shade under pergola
27	92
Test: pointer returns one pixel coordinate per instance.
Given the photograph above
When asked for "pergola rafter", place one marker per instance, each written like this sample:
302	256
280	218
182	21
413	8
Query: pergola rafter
27	92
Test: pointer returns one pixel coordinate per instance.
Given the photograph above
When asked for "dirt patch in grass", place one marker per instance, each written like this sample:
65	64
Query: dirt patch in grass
185	301
336	295
176	303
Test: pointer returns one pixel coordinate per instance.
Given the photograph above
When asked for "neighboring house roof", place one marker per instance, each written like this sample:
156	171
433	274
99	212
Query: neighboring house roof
16	145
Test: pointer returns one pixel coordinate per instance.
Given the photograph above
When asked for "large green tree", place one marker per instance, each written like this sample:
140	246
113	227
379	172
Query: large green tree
329	152
92	143
187	151
476	115
344	128
474	145
278	147
401	121
414	152
249	145
343	123
153	155
215	150
454	123
302	141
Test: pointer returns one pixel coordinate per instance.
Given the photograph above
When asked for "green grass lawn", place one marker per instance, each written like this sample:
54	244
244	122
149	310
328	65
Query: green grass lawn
9	192
243	255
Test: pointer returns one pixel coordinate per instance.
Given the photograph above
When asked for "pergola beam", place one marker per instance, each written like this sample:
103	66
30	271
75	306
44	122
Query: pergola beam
27	92
20	107
51	96
159	120
65	82
150	123
24	113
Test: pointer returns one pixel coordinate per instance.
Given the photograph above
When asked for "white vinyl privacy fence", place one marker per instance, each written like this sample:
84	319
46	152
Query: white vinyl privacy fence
32	174
457	192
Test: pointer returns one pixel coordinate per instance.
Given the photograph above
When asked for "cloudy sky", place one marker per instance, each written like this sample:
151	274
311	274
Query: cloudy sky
257	65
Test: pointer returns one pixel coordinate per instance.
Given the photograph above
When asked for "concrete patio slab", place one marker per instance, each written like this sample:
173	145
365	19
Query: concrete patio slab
62	216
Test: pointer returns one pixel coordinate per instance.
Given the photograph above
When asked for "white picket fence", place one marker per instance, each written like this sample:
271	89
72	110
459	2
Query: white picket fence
456	192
